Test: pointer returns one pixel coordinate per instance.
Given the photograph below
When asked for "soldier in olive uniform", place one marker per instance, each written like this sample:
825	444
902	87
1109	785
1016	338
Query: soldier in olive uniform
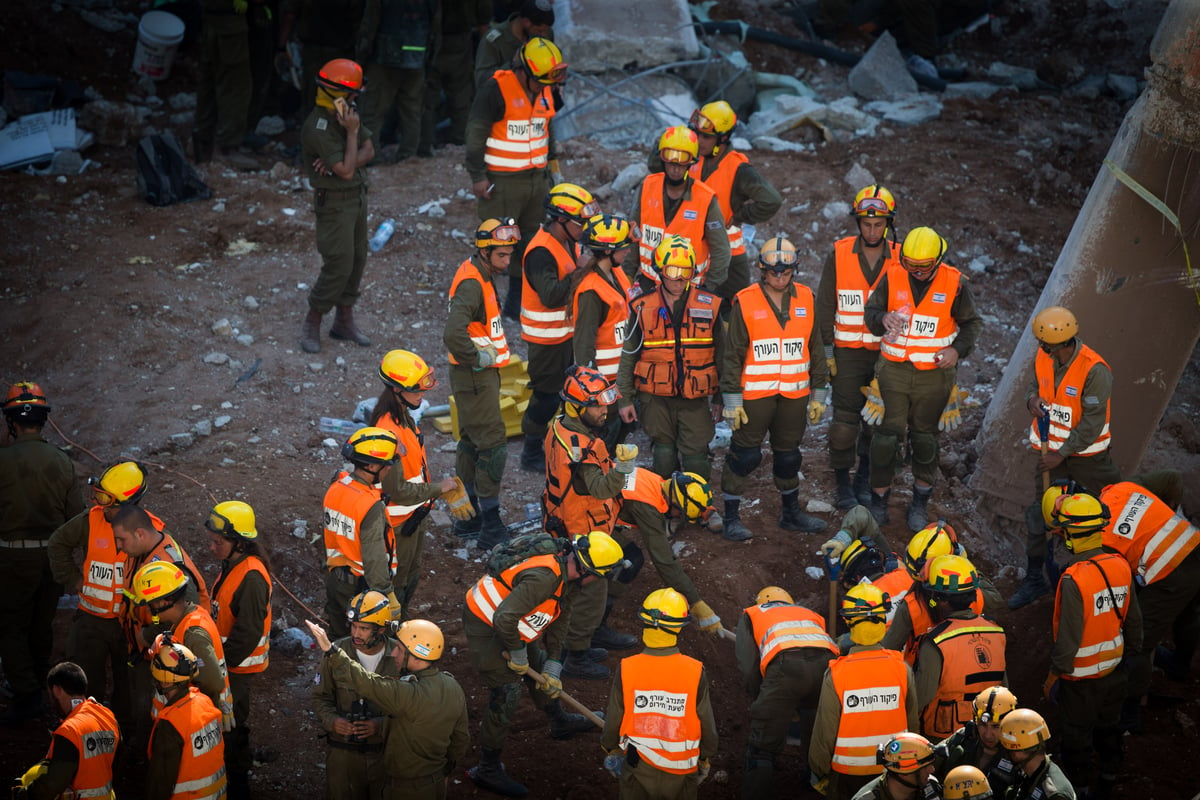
326	30
225	88
452	72
499	45
335	149
38	494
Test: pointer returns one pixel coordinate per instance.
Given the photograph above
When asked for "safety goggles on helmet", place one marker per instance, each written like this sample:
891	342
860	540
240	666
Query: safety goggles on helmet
865	206
502	233
676	272
607	396
778	255
99	496
676	156
232	519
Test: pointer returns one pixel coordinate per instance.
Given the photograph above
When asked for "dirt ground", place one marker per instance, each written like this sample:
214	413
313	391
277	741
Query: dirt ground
110	304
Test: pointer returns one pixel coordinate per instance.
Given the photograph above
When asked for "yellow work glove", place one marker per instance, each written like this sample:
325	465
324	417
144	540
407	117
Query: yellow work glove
706	618
459	503
833	548
952	417
33	773
487	357
733	412
394	607
872	411
831	361
518	661
551	683
816	405
820	784
227	720
704	768
626	455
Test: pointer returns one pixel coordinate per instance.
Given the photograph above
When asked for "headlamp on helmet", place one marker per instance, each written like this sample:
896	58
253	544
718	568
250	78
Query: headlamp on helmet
778	255
497	233
993	704
26	402
369	608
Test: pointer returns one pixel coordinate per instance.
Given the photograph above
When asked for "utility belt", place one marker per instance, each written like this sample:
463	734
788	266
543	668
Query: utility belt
356	747
416	783
344	575
24	544
321	197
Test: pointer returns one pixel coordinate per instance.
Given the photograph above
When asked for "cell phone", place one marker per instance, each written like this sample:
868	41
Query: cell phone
341	106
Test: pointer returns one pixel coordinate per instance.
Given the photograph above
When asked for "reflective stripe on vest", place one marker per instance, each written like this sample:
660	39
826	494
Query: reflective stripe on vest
413	468
671	365
872	687
853	292
578	513
202	761
169	551
1102	644
721	182
972	660
199	618
520	140
92	729
780	626
483	334
660	710
922	621
100	592
539	323
347	502
610	337
688	222
488	593
223	594
1153	538
1066	400
777	357
930	326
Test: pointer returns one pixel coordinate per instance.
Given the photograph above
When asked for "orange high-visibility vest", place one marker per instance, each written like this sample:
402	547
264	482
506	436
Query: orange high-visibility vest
199	618
972	660
168	550
1153	538
488	593
872	686
611	336
677	363
413	465
520	140
227	585
93	729
539	323
101	592
853	291
777	357
569	513
660	710
202	762
483	333
347	502
780	626
1103	642
645	486
922	620
721	182
897	583
1066	400
930	326
688	222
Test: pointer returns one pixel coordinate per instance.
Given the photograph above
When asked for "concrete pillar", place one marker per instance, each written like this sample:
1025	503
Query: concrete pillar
1122	272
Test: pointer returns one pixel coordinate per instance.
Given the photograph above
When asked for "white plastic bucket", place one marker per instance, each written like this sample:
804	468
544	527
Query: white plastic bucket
159	35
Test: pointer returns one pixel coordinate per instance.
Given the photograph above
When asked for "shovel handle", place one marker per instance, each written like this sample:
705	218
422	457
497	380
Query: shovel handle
571	701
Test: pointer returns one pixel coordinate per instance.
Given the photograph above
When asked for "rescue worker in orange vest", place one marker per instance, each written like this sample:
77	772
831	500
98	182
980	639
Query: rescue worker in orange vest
79	762
924	310
506	35
474	335
359	544
551	276
600	307
1097	623
783	652
242	611
1024	735
908	762
186	755
38	493
504	615
97	638
1069	396
583	487
161	588
669	364
867	697
510	148
851	272
767	373
660	733
677	202
409	489
977	743
912	619
961	655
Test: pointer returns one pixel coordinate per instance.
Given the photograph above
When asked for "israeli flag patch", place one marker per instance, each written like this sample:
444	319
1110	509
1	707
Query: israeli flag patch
1072	391
689	214
939	297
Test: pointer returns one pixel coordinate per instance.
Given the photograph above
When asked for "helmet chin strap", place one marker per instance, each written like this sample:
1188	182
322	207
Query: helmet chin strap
672	182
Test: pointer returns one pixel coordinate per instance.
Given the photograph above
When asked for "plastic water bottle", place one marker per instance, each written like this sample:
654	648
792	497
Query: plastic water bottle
382	234
905	311
339	427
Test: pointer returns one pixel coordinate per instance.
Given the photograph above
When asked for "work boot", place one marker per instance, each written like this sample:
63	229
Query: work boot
489	775
597	654
733	529
564	724
234	157
792	518
1033	587
918	512
879	506
491	529
344	328
1166	660
862	481
310	333
533	456
578	665
610	639
844	498
713	521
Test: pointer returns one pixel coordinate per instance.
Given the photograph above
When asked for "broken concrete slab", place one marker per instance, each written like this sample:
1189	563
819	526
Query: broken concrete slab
620	110
595	37
915	110
979	90
1021	77
881	74
858	176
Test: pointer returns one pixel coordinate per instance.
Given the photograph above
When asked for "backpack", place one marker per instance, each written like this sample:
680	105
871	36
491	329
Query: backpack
164	176
519	548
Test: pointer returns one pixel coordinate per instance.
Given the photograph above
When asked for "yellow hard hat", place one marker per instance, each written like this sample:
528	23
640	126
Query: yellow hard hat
865	608
860	561
370	446
778	255
1081	518
406	371
572	202
923	250
675	258
773	594
678	145
171	662
1054	325
966	783
543	61
690	493
604	233
935	539
156	581
598	553
993	704
232	519
1023	729
715	119
497	233
950	574
121	483
874	201
665	609
422	639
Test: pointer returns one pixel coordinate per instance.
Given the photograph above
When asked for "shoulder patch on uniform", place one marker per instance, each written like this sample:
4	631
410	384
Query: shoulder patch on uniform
714	225
493	34
322	124
317	679
409	678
